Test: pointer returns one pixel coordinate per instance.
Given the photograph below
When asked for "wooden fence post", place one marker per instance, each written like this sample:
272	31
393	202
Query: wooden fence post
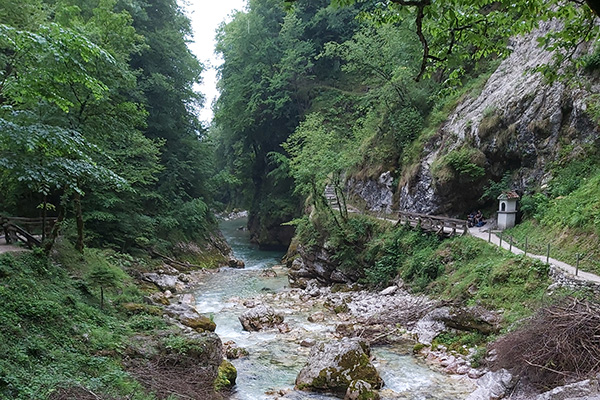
490	236
577	266
548	254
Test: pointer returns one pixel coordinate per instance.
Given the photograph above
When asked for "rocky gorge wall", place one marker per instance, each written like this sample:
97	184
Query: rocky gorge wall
518	124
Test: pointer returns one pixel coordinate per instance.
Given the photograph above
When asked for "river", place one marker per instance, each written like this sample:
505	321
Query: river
276	358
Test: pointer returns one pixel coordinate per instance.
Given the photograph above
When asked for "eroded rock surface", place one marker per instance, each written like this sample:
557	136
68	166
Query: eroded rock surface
259	318
493	385
188	316
333	366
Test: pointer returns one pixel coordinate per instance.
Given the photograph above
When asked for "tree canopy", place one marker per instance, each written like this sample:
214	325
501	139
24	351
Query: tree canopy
97	115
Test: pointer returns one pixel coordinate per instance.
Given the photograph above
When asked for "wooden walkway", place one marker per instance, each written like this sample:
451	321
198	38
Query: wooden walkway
434	223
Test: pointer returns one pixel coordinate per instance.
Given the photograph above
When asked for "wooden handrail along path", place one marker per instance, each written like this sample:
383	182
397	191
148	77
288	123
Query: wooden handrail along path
26	230
434	223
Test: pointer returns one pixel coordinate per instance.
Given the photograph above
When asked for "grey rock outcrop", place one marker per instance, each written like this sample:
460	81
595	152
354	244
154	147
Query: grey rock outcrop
472	319
259	318
333	366
164	282
461	318
317	264
493	385
587	389
377	195
517	123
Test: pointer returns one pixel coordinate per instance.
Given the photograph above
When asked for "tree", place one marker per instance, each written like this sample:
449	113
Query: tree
453	32
104	275
320	153
38	71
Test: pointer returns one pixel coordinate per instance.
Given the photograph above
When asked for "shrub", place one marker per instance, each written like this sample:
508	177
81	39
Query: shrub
559	343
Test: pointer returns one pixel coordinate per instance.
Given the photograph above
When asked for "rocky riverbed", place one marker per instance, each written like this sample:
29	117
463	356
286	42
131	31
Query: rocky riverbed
272	332
295	321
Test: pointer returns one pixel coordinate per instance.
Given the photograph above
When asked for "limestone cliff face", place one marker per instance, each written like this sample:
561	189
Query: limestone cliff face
377	195
518	124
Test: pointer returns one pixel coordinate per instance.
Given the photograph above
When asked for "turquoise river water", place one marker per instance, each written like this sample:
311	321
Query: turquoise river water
276	358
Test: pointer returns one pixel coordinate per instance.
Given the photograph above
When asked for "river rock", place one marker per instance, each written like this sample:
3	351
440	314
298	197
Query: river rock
232	351
388	291
361	390
157	298
584	390
333	366
235	263
188	316
269	273
188	299
312	288
493	385
319	316
164	282
308	342
284	328
260	317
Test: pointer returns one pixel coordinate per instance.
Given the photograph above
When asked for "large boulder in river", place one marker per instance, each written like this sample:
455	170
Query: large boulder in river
259	318
334	366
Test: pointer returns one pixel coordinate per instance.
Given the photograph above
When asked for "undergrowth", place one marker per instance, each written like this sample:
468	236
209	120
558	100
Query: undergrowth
57	340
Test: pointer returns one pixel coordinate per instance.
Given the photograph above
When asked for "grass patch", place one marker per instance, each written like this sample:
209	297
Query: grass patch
476	273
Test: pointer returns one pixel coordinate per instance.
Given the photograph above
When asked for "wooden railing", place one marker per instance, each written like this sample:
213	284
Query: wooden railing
30	231
433	223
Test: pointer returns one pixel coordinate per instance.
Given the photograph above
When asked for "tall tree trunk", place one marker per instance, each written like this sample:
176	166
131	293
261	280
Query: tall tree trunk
44	215
79	219
54	233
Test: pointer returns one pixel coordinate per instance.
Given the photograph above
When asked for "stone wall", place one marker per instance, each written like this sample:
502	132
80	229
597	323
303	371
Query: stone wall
562	279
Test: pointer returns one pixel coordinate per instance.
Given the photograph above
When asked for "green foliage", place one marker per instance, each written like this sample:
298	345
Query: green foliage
534	206
181	345
475	273
77	81
464	164
267	83
458	34
494	189
53	334
403	252
579	209
460	341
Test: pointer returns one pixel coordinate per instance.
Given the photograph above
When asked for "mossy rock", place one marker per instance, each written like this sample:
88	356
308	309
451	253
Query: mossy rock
226	377
199	323
333	366
361	390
